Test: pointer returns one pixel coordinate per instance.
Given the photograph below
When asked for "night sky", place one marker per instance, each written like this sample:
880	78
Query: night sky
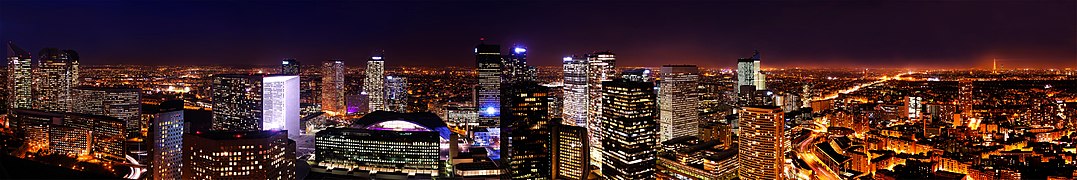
642	33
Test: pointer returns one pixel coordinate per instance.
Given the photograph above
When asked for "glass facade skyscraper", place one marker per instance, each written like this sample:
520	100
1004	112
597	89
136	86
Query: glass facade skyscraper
122	103
488	62
166	136
527	124
629	148
396	93
332	91
289	67
57	73
678	101
19	78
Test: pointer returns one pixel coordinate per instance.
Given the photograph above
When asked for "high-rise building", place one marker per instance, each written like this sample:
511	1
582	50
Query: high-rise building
237	102
19	78
678	101
527	122
166	136
333	86
748	73
374	83
56	74
280	103
255	102
358	102
488	62
238	155
762	130
289	66
122	103
600	67
515	67
556	97
629	121
574	106
569	152
396	93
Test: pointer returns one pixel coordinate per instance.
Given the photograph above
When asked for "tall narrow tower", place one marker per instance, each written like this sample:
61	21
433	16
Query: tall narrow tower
374	84
678	101
333	86
488	100
20	77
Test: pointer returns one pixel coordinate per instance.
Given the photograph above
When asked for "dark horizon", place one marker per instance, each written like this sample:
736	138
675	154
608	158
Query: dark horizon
816	34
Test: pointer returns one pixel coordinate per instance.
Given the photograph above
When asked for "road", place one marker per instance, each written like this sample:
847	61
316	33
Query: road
804	149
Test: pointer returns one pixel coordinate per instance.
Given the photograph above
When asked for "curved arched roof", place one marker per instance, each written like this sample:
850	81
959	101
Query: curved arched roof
425	119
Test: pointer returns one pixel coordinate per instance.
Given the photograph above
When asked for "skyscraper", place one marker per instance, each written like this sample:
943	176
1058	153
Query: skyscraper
255	102
748	73
600	67
630	150
237	102
57	74
280	103
20	78
166	136
333	86
678	101
515	67
488	62
569	152
574	106
289	66
121	103
527	122
396	93
374	84
238	155
761	139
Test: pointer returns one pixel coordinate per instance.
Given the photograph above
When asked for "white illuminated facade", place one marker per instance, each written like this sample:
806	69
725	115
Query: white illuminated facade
600	68
574	109
280	104
748	73
678	102
374	83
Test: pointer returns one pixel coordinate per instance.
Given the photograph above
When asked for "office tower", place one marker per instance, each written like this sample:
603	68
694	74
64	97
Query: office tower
56	74
761	140
488	62
556	97
374	84
678	101
965	98
385	142
628	119
636	75
788	101
570	153
310	94
396	93
20	78
238	155
280	103
575	103
166	136
255	102
515	67
333	86
122	103
748	73
289	66
71	134
600	68
237	102
527	122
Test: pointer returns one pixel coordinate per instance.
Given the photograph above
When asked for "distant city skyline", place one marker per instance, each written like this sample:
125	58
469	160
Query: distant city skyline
710	34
